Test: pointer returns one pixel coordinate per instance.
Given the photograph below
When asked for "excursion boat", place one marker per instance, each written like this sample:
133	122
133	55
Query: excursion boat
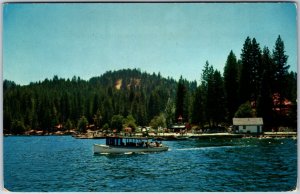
128	145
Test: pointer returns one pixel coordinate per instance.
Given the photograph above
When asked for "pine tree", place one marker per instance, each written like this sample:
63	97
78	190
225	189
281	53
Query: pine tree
281	69
256	70
180	98
117	122
82	124
208	91
265	101
245	75
198	107
218	107
169	112
244	111
251	72
231	84
153	105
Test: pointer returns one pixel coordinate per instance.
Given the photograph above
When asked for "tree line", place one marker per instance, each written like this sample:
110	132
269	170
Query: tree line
130	98
256	85
47	105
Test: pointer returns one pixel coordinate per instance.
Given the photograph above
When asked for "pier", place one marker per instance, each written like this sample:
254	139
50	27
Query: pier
185	136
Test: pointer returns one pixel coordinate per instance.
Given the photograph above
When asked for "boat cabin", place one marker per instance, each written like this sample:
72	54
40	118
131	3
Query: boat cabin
126	141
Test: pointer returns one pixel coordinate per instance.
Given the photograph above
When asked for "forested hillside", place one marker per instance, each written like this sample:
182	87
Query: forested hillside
259	84
44	105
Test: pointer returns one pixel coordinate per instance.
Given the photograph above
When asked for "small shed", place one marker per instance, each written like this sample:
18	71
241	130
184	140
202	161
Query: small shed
248	125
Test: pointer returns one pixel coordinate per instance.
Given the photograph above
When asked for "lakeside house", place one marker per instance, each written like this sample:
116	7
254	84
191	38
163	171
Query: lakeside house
248	125
178	127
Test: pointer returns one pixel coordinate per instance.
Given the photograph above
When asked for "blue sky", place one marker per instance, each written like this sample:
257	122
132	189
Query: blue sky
86	40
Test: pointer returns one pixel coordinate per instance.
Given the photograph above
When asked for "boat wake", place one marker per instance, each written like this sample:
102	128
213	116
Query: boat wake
212	147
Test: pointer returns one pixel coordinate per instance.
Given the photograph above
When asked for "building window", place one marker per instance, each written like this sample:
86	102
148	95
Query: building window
244	126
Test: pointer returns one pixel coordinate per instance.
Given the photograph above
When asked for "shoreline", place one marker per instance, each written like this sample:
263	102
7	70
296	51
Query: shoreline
177	136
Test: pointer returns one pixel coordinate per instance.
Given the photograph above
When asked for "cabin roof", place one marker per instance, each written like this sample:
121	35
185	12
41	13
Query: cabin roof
248	121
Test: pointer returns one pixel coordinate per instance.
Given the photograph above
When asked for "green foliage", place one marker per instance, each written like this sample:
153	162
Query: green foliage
255	77
129	121
17	127
105	127
198	107
97	119
153	105
183	101
265	100
45	104
117	122
231	84
245	111
158	121
212	88
281	69
169	112
251	72
69	125
180	96
218	96
82	124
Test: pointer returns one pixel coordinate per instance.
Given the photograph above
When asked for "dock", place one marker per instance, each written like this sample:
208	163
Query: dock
280	134
185	136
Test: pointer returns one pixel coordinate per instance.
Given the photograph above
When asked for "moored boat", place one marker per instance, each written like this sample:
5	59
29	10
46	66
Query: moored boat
128	144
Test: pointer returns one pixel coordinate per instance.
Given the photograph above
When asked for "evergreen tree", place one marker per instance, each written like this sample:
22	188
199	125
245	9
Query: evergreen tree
129	121
208	90
244	111
82	124
231	84
17	127
291	86
198	107
245	72
218	107
117	122
281	69
97	119
251	71
265	100
180	98
153	105
169	112
256	70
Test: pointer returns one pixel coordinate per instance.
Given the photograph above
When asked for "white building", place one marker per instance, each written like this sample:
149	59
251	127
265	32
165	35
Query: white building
247	125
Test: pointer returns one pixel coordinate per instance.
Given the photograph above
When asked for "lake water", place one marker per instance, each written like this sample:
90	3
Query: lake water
62	163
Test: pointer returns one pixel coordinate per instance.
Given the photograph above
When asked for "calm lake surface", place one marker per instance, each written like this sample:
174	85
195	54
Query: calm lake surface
62	163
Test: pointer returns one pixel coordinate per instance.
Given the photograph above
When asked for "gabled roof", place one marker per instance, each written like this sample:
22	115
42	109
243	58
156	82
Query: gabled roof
248	121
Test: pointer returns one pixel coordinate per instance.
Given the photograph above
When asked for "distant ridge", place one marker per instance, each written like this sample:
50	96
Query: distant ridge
58	102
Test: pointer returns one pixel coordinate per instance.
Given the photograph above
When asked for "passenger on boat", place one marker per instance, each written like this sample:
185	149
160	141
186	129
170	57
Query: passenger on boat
157	144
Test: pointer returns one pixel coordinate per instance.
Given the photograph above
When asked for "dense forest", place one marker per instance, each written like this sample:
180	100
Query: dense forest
259	84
